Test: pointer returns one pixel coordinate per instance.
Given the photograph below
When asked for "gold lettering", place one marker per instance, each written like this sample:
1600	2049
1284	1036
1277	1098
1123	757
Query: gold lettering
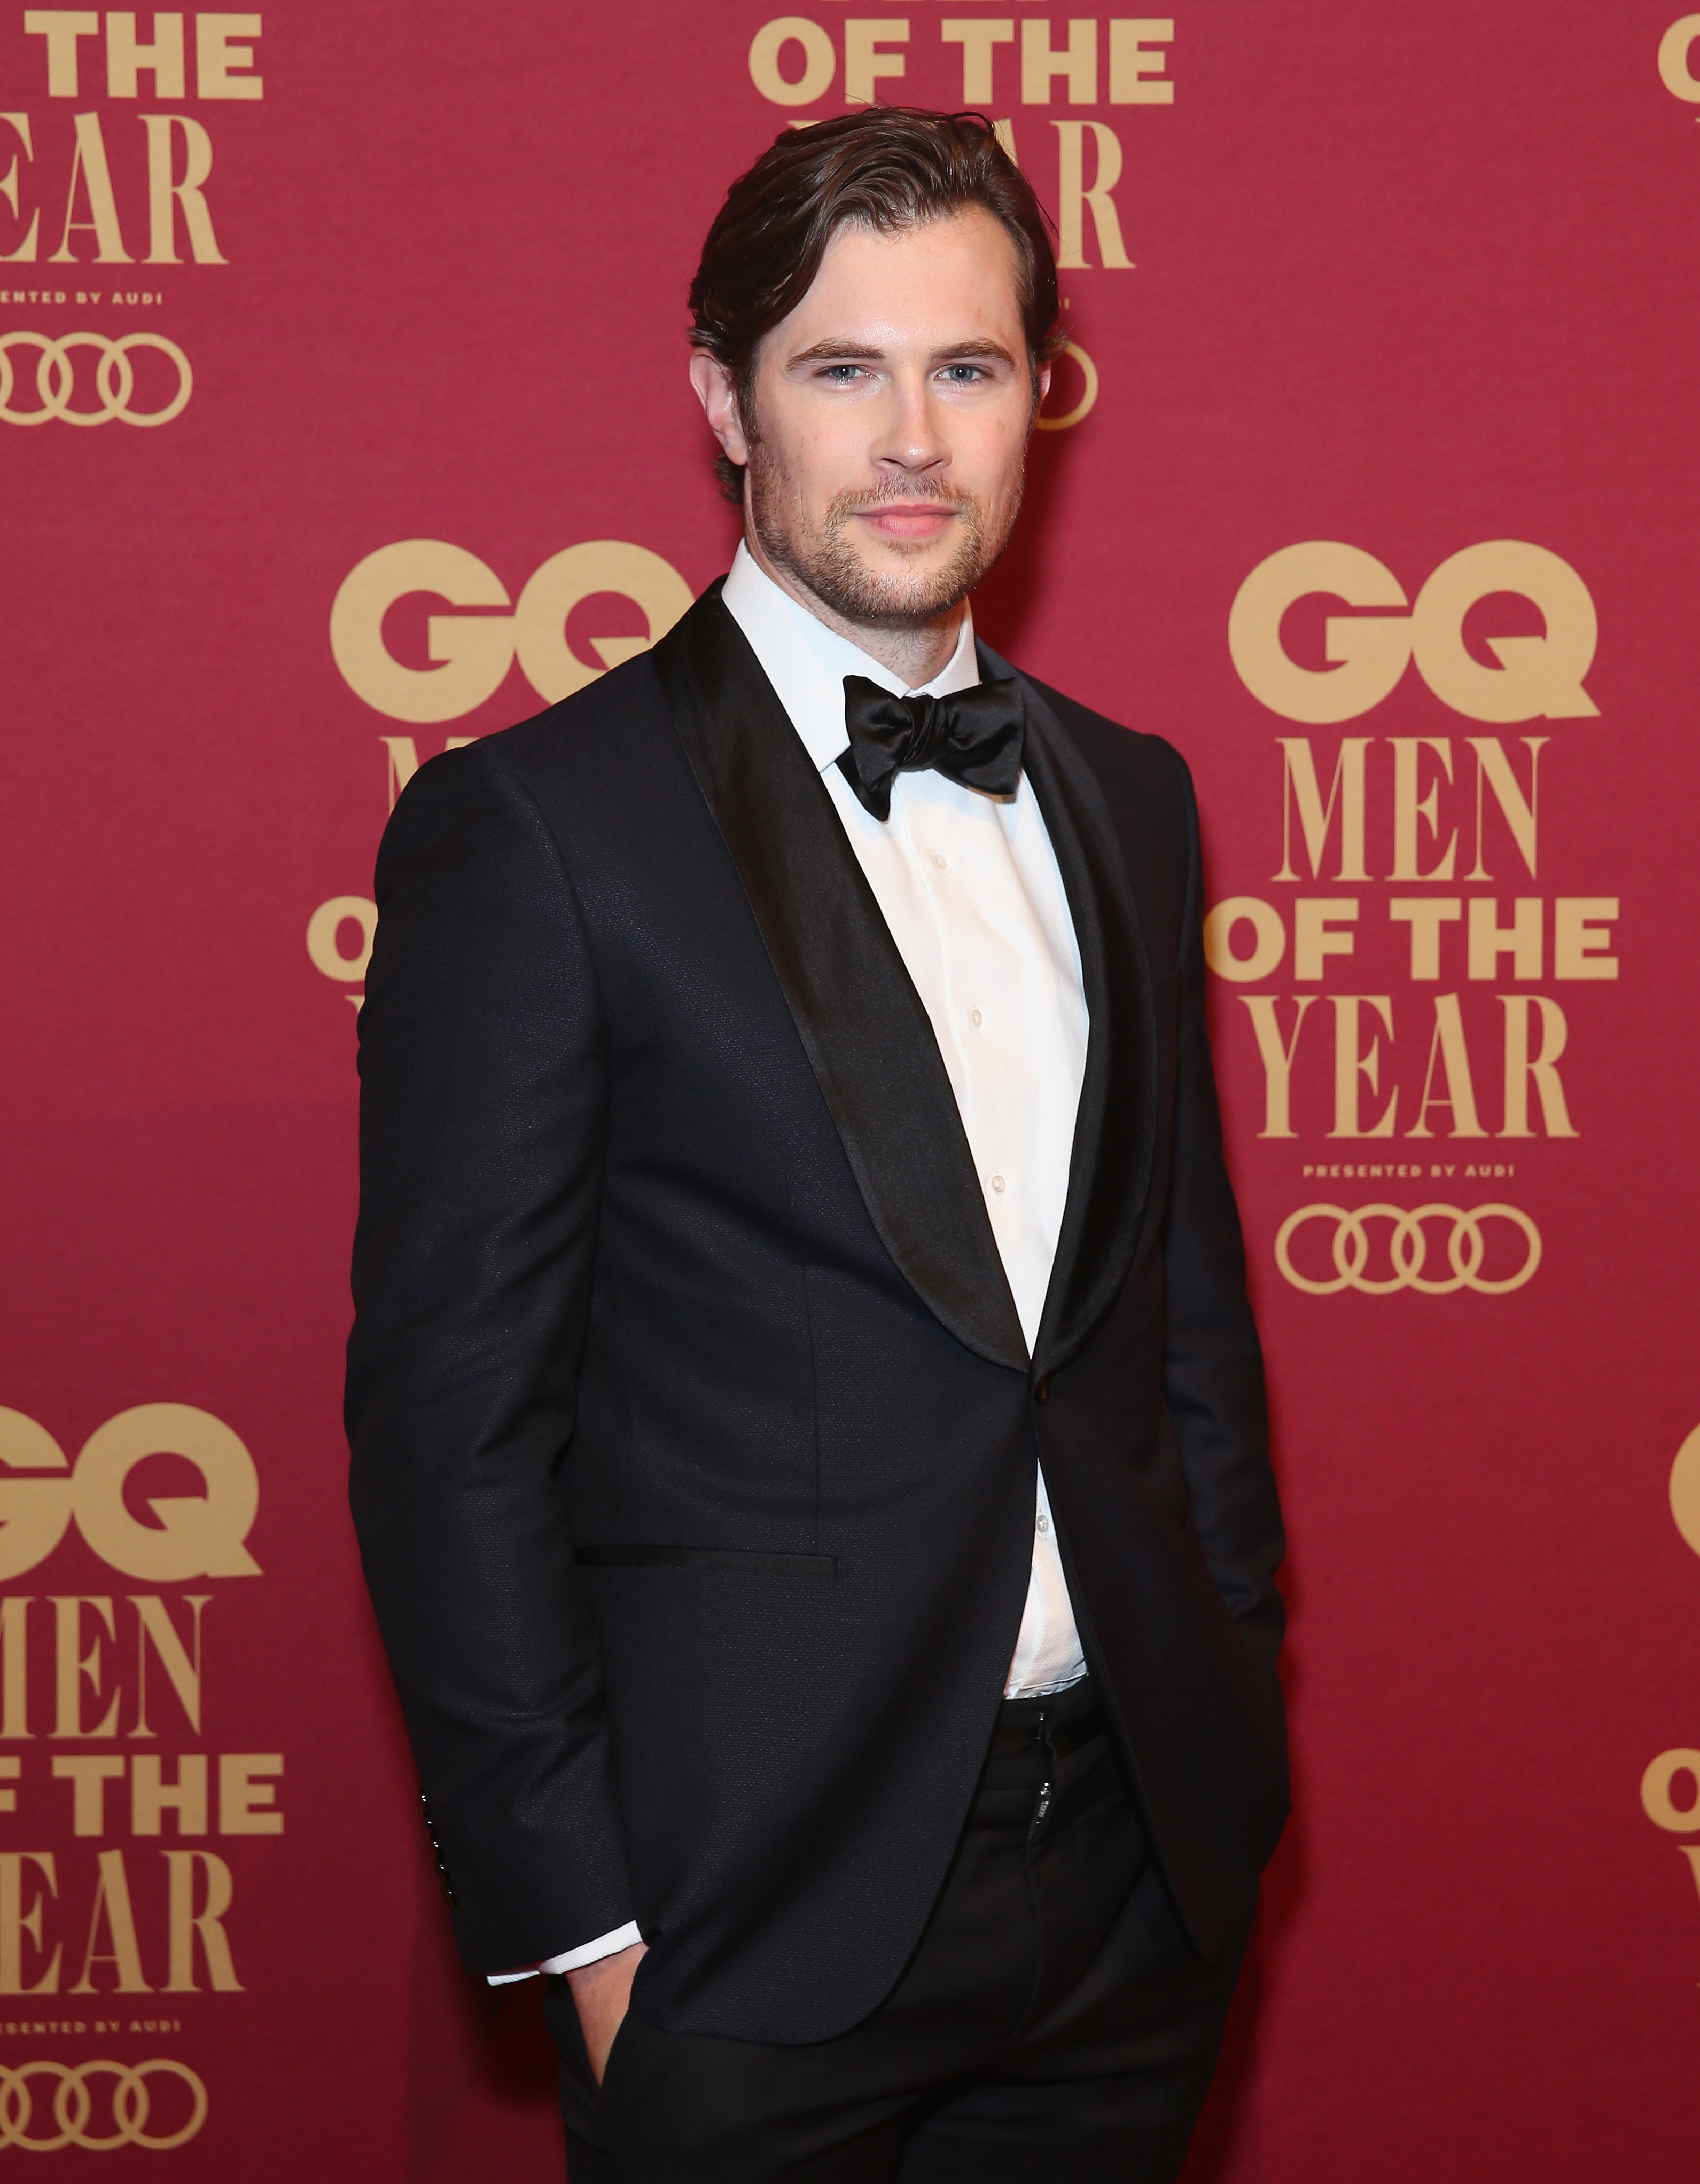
1268	946
164	195
185	1923
1347	789
61	27
193	1535
1079	62
1312	940
222	69
1578	941
1075	200
163	59
976	35
1408	811
112	1897
1368	654
241	1798
1132	64
1349	1065
1543	1069
324	929
820	61
34	1512
14	1655
25	252
1537	677
1656	1785
15	1922
1674	49
88	1774
1520	940
73	1667
153	1621
1493	768
150	1795
1425	915
1447	1047
89	161
1277	1059
865	59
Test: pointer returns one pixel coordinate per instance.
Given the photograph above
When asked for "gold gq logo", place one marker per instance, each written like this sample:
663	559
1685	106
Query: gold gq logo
1537	678
472	652
41	1493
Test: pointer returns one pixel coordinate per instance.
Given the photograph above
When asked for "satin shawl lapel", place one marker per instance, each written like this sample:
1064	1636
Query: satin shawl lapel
1115	1129
869	1040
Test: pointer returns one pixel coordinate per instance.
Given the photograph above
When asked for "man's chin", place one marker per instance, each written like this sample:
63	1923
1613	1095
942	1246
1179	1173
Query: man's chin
893	588
908	587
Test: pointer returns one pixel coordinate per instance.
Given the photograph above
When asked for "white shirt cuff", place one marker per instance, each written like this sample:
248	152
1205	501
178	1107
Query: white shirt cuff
569	1960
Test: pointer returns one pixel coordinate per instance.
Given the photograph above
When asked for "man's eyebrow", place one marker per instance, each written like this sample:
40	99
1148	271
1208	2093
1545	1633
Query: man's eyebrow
837	352
851	351
965	352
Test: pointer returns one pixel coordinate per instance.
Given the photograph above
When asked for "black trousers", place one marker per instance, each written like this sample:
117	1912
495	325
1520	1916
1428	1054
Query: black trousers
1055	2022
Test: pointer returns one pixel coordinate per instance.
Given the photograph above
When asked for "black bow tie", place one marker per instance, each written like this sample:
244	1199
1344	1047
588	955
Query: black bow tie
974	736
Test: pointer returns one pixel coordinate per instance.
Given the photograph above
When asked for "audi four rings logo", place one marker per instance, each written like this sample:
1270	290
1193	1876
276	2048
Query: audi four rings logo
114	379
1407	1250
73	2106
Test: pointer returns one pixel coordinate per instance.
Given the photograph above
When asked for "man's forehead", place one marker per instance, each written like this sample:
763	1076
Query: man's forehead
916	274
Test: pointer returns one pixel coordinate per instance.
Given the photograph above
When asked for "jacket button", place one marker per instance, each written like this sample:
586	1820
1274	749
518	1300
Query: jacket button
1041	1390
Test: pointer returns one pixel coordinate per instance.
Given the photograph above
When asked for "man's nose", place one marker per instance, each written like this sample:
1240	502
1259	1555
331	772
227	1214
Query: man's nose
910	435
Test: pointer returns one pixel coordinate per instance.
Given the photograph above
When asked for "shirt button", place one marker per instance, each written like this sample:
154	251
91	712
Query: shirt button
1044	1524
975	1018
938	860
997	1183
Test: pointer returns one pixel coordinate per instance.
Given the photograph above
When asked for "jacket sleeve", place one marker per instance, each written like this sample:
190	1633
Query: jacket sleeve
1214	1363
483	1114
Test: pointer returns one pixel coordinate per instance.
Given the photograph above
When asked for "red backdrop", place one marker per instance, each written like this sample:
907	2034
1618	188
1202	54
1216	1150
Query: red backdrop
1401	282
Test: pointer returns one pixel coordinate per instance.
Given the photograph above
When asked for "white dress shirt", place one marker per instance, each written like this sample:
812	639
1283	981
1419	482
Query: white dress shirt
969	886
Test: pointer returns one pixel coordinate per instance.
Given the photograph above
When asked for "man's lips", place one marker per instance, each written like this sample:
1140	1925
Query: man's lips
923	518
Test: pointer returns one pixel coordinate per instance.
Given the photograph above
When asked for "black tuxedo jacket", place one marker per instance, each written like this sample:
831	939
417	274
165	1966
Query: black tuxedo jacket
693	1430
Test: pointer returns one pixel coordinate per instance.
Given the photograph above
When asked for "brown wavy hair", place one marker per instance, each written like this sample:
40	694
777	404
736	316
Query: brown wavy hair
887	168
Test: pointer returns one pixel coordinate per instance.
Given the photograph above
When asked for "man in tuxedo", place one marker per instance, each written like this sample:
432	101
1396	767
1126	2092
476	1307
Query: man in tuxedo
810	1454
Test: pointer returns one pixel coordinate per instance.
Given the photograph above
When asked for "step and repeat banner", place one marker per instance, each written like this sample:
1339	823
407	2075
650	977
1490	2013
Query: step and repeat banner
343	417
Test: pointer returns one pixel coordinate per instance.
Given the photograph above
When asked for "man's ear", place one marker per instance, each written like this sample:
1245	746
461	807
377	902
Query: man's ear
1043	383
719	398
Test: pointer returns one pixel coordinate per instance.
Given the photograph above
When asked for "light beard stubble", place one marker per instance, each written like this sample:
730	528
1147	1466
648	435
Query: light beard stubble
827	564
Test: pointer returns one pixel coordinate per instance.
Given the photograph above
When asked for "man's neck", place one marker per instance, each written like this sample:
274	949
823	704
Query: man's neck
916	651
